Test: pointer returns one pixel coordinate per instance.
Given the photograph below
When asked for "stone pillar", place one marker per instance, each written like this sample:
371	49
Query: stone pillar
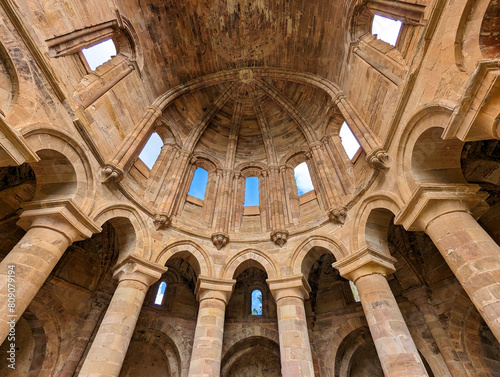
51	227
421	298
295	348
473	256
396	350
213	295
106	355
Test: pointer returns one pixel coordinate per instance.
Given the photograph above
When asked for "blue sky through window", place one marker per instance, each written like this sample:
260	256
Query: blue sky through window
99	54
256	302
161	293
386	29
199	183
151	150
348	140
303	178
251	192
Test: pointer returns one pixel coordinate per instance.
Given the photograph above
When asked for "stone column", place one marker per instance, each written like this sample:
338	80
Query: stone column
421	298
106	355
213	295
295	348
473	256
396	350
51	227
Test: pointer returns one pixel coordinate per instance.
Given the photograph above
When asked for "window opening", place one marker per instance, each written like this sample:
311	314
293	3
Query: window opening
251	192
256	302
151	150
303	178
199	184
160	293
348	140
355	292
99	54
386	29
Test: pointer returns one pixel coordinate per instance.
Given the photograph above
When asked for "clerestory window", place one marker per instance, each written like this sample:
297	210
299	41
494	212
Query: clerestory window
199	183
303	178
355	292
256	304
151	150
251	192
386	29
348	140
161	293
99	53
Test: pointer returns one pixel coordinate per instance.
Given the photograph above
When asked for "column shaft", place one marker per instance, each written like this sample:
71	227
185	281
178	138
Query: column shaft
395	347
474	258
34	258
105	357
295	348
207	345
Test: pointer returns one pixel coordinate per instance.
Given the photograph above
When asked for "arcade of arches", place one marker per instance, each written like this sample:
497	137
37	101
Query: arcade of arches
388	264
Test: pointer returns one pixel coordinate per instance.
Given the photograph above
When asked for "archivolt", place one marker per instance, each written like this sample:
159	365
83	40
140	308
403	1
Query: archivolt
203	266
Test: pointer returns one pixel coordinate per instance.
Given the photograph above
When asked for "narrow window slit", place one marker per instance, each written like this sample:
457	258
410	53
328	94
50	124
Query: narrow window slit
256	302
251	192
303	178
160	293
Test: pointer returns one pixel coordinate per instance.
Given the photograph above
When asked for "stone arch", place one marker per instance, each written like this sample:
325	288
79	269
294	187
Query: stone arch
150	328
311	249
299	151
421	148
250	258
73	177
247	347
207	162
197	258
131	229
249	331
371	225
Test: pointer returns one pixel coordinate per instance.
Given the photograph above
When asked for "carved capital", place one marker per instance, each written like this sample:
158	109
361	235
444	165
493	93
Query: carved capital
162	221
279	237
378	159
220	240
290	286
432	200
337	215
111	173
211	288
61	215
367	261
138	269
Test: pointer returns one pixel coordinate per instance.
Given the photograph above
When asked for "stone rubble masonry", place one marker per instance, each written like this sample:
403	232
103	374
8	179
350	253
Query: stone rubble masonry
295	348
368	269
106	355
213	296
473	256
51	227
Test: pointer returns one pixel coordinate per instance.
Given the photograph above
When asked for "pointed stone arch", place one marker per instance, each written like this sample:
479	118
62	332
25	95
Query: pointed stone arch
131	228
192	253
247	257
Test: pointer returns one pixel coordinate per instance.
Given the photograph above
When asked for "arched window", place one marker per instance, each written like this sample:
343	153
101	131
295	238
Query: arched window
348	140
199	184
355	292
251	192
303	178
99	53
151	150
386	29
256	304
160	293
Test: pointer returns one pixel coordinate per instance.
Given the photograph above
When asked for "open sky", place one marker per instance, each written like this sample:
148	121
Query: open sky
99	54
